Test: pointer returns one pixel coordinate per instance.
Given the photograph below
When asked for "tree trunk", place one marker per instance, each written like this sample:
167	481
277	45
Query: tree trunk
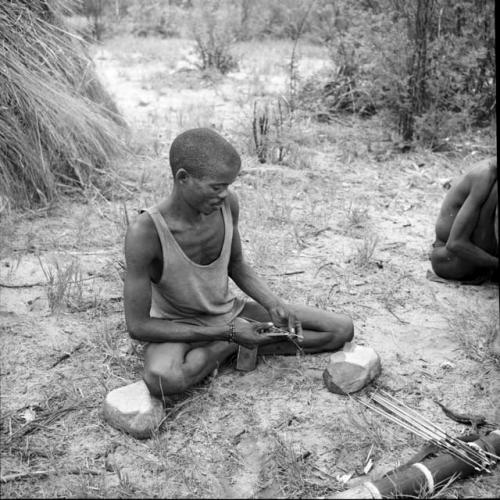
416	101
244	19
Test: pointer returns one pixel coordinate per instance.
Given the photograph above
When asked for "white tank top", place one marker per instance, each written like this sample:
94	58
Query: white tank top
189	292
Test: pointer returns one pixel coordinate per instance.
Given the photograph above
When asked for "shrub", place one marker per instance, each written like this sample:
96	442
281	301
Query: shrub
58	127
431	64
213	29
157	18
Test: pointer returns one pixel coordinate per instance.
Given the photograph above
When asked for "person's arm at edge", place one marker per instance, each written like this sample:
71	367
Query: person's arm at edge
459	241
140	242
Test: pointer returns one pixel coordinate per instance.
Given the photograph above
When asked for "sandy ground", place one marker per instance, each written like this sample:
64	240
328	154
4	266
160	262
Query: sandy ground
350	230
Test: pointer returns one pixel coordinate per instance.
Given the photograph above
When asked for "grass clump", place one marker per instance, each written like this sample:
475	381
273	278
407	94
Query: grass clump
59	128
63	282
268	127
363	256
475	332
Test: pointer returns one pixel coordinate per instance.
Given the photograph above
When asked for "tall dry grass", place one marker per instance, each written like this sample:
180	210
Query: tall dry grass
59	128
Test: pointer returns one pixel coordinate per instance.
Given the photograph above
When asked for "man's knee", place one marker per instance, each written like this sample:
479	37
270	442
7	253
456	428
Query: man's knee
164	376
345	329
341	331
162	382
448	266
439	257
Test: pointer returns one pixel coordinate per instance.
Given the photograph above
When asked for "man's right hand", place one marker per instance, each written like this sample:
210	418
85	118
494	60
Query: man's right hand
249	334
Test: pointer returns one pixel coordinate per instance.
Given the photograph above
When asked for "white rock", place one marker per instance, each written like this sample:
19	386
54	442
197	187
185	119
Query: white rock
132	409
351	369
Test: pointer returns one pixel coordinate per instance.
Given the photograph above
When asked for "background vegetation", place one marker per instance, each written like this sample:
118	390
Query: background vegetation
337	212
428	65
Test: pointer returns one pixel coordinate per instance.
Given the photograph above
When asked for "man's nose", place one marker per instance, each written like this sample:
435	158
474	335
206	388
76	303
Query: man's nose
223	194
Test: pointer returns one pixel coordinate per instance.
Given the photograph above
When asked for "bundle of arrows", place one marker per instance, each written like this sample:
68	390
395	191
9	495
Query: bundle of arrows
383	403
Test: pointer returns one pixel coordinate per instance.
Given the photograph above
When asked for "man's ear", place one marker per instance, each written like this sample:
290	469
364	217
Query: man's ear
182	176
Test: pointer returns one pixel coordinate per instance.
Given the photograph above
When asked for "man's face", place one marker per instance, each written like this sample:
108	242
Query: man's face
208	193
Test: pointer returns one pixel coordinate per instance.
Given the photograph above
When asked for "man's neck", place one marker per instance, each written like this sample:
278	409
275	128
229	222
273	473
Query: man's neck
175	208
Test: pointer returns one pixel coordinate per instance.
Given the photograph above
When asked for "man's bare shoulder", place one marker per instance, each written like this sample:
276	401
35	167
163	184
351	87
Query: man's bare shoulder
484	171
481	178
477	180
234	205
141	239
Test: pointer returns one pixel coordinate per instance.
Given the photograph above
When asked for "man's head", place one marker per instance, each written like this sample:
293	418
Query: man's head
201	151
203	165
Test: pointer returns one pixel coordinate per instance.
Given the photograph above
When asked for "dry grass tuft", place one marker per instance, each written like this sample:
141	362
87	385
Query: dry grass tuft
58	127
268	126
363	256
65	288
60	283
475	332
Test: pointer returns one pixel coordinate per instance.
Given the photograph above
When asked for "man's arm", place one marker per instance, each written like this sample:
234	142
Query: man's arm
252	284
459	240
141	245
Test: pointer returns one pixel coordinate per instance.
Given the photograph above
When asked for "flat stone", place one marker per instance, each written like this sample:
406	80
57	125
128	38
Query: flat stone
132	409
351	369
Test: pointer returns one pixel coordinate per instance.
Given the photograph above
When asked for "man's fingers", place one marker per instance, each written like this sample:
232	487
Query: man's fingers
263	327
281	313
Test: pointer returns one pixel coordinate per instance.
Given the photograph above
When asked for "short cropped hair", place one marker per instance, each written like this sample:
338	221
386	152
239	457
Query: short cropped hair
200	150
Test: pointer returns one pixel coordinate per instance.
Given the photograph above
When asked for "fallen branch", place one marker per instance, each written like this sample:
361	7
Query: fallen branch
40	283
26	285
289	273
66	355
41	422
465	418
398	318
91	472
40	473
22	475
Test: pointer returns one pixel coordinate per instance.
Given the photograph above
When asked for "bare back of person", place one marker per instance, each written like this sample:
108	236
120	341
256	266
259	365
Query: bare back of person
466	246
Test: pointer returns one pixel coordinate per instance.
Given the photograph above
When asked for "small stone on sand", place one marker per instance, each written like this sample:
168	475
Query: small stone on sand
351	369
132	409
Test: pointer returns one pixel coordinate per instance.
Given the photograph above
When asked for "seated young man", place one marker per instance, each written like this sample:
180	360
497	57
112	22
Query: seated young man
466	246
180	255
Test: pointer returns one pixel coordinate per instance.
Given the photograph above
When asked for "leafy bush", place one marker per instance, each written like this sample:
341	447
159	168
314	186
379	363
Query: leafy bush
153	18
349	85
330	93
436	79
213	29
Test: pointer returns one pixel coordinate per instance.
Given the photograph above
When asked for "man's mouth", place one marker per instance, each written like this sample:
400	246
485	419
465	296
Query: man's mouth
212	207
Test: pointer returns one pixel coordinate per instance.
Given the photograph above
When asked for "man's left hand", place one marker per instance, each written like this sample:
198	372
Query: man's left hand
282	317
